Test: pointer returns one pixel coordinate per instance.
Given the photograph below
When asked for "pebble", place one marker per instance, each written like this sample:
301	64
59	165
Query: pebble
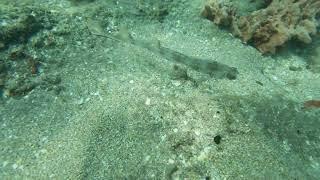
14	166
148	102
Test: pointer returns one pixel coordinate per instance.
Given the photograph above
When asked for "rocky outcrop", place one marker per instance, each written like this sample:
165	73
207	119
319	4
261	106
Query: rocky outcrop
271	27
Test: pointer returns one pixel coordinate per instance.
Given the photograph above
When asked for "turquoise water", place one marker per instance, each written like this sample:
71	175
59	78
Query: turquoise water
174	89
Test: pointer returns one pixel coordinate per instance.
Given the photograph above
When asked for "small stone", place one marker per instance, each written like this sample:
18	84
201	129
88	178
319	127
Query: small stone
147	158
217	139
80	101
148	102
176	83
14	166
2	45
5	163
171	161
295	68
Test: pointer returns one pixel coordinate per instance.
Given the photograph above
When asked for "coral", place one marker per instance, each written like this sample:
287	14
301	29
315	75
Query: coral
271	27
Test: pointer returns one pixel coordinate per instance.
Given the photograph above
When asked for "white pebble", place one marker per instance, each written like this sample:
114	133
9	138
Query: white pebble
148	102
4	164
176	83
14	166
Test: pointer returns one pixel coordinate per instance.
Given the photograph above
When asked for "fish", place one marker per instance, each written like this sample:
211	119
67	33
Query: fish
213	68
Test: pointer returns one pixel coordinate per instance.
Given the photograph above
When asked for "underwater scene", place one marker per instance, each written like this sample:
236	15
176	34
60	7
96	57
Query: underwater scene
160	89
